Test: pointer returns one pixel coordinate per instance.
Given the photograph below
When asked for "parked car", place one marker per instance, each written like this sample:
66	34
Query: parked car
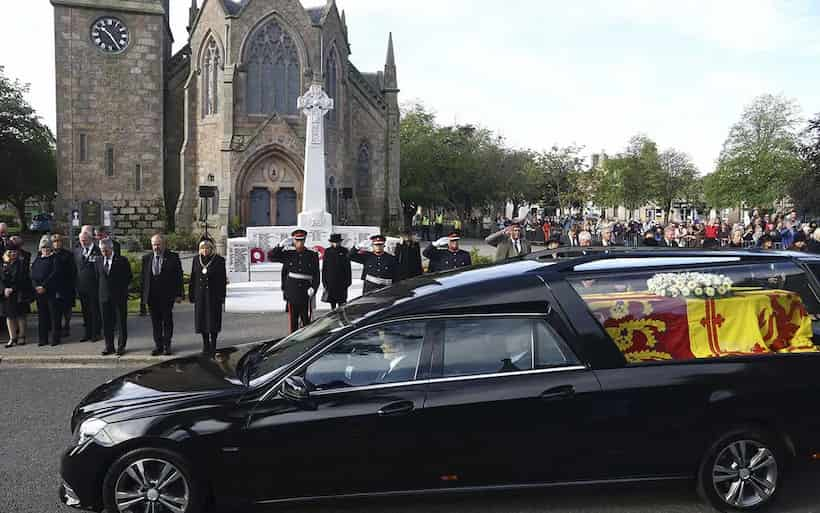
40	223
537	372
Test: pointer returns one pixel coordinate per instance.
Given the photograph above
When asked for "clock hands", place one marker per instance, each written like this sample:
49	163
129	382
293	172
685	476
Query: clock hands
110	37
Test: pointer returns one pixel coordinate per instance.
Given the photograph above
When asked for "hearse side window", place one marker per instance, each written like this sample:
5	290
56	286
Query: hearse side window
384	354
489	346
730	310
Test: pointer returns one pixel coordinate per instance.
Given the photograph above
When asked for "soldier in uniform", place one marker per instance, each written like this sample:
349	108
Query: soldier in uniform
445	255
302	278
336	273
408	257
379	267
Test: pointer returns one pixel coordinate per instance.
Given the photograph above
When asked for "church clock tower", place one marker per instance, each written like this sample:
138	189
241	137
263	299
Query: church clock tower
110	66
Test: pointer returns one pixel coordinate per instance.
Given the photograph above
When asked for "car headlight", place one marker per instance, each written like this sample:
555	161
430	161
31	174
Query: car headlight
92	430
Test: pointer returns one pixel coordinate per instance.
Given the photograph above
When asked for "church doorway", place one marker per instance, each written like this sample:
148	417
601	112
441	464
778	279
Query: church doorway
260	207
270	190
286	207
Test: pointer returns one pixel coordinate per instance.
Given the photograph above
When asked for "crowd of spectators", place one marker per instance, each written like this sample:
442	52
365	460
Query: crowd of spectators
775	231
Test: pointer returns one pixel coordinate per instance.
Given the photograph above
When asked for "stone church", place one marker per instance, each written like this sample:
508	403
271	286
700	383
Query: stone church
140	130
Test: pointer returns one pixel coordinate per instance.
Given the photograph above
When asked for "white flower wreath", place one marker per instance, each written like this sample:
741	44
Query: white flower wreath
703	285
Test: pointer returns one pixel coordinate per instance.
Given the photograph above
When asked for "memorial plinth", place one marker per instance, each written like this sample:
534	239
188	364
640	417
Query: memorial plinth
255	284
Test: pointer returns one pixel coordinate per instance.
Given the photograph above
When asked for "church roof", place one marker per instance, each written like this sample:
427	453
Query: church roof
373	79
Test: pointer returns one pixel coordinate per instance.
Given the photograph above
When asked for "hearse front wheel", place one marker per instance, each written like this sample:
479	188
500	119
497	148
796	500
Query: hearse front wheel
152	480
742	471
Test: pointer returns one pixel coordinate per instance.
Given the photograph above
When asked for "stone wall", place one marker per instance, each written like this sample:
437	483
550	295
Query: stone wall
138	217
112	101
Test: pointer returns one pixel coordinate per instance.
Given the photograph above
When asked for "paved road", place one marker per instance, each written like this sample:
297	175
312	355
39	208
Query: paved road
34	410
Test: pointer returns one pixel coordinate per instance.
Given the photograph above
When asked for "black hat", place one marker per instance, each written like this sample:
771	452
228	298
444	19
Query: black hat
378	239
336	237
299	234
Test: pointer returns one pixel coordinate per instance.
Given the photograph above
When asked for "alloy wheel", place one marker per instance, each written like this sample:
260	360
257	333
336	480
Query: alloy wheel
745	474
152	486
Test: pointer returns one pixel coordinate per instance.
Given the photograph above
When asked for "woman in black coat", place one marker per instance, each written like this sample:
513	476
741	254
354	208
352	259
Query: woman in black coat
52	290
209	280
16	294
336	273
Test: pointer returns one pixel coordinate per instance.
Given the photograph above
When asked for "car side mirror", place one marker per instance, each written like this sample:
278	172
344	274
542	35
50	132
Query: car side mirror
297	390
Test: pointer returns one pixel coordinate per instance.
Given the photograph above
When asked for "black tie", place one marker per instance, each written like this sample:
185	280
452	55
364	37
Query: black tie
107	266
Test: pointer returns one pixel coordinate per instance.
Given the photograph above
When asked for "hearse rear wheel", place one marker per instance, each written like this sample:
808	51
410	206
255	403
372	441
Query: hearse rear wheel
742	471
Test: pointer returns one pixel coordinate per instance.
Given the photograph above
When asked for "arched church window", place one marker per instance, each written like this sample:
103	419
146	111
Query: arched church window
363	166
331	75
210	79
274	81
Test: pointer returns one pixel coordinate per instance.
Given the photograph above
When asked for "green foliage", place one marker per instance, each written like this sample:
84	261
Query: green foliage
677	179
478	259
182	241
760	157
27	155
805	188
559	176
460	166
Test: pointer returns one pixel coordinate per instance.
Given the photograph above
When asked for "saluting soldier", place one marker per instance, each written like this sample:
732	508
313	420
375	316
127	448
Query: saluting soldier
336	273
445	255
379	267
302	278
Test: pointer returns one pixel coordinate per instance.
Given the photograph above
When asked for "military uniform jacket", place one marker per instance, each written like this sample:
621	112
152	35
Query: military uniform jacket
446	260
302	268
336	275
379	270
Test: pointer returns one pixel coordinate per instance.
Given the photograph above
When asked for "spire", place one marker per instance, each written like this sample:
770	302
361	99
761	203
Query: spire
192	14
390	79
344	22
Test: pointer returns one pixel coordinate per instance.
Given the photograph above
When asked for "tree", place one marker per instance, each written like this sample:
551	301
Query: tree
559	174
760	157
27	160
805	188
630	178
677	176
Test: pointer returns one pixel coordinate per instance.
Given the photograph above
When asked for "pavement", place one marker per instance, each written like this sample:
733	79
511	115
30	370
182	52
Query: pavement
236	329
36	405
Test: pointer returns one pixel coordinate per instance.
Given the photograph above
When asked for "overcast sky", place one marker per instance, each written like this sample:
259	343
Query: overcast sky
544	72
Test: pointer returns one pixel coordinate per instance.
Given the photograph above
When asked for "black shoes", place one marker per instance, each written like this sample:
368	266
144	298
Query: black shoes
167	351
156	352
11	343
120	351
21	341
41	343
85	339
106	352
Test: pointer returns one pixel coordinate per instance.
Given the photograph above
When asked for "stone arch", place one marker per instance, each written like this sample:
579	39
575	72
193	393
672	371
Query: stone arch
332	80
203	45
210	65
255	173
290	33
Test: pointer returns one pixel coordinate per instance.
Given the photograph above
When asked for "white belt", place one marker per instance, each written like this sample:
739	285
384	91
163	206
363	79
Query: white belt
297	276
378	281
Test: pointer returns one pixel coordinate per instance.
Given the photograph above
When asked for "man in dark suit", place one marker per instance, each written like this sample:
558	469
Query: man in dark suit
114	275
101	234
161	287
88	287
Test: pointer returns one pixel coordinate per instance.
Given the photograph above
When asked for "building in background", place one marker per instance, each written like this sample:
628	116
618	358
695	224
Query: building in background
140	130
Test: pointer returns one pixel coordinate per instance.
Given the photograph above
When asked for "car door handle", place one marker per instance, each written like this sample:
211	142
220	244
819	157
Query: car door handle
399	408
561	392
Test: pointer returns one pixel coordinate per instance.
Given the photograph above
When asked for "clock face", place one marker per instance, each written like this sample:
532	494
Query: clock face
110	35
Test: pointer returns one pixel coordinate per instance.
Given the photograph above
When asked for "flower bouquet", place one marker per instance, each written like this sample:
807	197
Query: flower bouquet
702	285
